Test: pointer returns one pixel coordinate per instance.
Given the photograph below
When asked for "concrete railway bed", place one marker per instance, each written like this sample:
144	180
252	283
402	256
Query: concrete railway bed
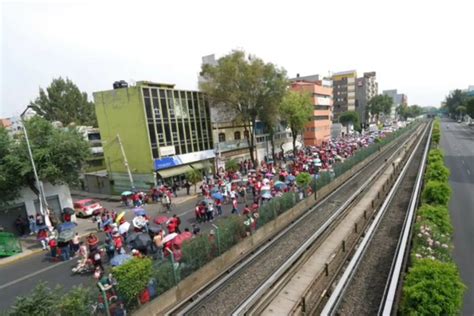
225	295
364	288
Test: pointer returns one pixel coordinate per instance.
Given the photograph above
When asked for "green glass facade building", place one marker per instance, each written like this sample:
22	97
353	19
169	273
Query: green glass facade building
163	131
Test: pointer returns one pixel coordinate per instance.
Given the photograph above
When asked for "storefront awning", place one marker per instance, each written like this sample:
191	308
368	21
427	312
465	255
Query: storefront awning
200	165
174	171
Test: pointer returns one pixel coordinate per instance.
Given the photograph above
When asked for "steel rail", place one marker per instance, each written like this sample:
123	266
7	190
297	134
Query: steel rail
391	287
201	294
341	287
259	292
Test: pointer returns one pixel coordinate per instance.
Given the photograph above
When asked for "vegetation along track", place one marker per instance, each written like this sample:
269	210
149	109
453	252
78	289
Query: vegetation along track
229	294
364	293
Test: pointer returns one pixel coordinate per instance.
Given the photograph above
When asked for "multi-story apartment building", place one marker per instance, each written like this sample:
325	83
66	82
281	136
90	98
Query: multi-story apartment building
399	99
366	89
319	128
344	92
160	130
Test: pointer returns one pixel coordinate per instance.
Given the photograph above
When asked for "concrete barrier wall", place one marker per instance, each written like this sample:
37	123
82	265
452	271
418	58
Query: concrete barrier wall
216	267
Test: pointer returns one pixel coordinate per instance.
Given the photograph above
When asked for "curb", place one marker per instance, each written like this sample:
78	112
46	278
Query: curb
20	256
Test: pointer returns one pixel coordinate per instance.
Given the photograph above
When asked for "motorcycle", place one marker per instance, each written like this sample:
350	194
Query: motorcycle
84	266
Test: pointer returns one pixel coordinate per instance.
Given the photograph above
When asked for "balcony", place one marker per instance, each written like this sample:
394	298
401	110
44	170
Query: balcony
323	101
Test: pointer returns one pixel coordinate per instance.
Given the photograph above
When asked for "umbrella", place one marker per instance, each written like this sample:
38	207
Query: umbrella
139	241
154	228
169	237
107	222
161	220
139	221
214	190
124	228
266	188
66	235
120	216
265	181
280	185
267	195
269	175
178	241
40	227
66	226
207	201
118	260
252	170
218	196
125	193
291	178
68	210
139	211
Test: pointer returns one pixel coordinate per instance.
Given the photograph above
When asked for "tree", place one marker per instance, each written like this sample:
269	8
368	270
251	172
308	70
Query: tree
194	176
10	183
409	111
380	104
470	107
132	278
296	110
461	109
232	165
455	99
246	85
59	155
348	118
63	101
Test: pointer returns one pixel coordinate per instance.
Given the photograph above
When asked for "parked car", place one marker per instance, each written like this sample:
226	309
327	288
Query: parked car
87	207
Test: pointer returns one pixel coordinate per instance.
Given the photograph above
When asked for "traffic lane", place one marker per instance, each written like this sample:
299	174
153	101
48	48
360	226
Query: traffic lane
25	266
458	143
59	275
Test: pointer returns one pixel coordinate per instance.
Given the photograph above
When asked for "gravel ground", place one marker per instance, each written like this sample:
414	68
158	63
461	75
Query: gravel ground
237	289
365	292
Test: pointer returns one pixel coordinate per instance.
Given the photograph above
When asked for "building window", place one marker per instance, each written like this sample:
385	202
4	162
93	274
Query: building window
237	135
320	117
221	137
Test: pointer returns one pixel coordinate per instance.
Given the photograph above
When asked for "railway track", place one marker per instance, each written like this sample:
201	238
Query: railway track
225	295
369	284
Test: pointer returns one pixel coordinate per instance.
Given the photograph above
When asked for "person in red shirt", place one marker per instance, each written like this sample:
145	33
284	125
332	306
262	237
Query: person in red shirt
177	221
171	227
246	210
53	246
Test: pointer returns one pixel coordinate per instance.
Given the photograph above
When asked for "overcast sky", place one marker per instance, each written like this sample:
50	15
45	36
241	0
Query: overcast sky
422	48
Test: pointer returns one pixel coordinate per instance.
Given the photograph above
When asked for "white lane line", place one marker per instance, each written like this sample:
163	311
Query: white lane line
462	162
33	274
468	172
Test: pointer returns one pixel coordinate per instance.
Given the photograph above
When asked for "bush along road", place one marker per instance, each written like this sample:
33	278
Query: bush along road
433	284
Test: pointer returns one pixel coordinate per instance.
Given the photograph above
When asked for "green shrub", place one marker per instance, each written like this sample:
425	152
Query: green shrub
41	301
437	215
430	243
78	301
132	278
436	193
435	155
437	171
163	273
232	165
432	288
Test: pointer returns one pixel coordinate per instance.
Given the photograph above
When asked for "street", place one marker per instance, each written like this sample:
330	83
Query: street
457	141
20	277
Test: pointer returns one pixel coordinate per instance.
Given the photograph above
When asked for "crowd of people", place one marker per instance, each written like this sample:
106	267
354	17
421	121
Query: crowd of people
245	190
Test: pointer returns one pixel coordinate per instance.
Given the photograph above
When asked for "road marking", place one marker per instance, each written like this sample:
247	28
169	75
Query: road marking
468	172
33	274
462	162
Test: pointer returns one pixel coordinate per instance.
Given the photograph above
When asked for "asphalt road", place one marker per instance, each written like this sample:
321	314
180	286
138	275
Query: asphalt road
18	278
457	141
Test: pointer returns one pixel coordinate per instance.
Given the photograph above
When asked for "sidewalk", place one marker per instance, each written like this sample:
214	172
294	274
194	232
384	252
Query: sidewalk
31	246
182	197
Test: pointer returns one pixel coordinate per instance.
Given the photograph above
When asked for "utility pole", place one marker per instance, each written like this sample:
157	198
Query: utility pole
125	161
42	198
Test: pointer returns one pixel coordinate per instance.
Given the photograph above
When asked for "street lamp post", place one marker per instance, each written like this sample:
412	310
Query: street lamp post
38	183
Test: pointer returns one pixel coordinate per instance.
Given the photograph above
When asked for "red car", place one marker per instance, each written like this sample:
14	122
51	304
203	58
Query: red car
87	207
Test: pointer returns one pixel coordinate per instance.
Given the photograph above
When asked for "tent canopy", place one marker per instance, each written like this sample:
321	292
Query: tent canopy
174	171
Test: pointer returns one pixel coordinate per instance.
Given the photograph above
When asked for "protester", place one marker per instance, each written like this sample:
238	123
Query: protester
32	224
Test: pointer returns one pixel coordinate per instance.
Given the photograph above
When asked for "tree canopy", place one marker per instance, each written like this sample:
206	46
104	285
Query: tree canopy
64	102
245	84
380	104
296	110
58	154
409	111
350	117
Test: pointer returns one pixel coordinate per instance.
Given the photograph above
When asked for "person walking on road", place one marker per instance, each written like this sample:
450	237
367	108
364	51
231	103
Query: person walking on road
235	209
187	185
32	224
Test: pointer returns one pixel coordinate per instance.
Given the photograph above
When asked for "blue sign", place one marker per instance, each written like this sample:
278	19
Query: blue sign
167	162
